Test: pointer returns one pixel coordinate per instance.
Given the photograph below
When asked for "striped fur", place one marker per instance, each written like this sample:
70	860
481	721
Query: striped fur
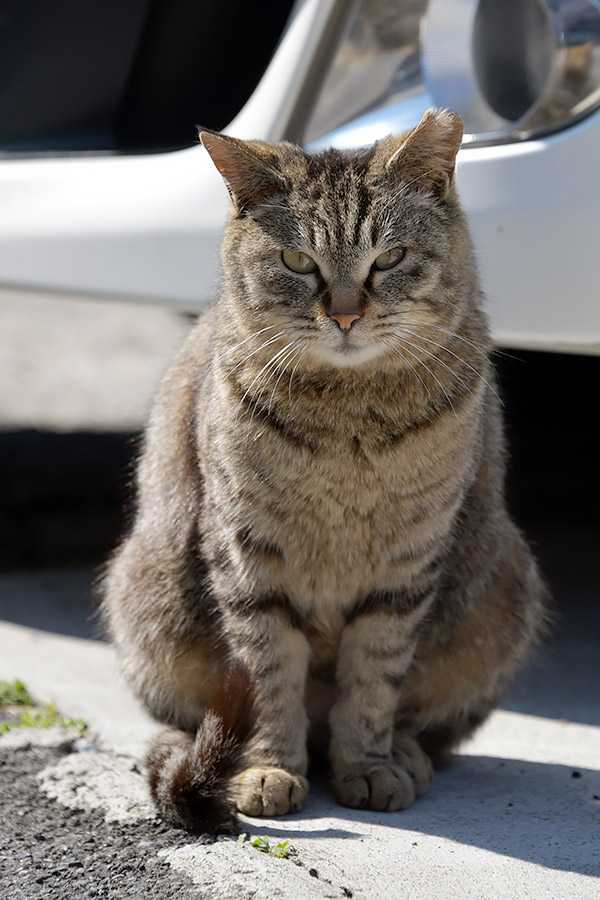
323	505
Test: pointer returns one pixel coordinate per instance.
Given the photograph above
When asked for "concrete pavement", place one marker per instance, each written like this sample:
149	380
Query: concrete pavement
517	815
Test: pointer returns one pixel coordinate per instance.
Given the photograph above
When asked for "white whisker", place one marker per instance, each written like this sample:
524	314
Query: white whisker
402	343
272	367
281	365
478	347
303	351
271	340
264	369
485	351
463	361
254	334
396	352
434	356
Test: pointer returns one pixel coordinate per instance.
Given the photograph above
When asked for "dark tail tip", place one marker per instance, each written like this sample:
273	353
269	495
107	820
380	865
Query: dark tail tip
189	778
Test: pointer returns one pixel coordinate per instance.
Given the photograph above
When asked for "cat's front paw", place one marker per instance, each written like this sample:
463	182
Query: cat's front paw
408	754
382	787
269	791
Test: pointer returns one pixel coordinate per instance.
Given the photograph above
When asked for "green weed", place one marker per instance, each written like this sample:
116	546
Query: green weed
281	850
15	694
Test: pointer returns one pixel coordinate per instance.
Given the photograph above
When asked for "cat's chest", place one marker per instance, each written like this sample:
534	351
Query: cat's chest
341	518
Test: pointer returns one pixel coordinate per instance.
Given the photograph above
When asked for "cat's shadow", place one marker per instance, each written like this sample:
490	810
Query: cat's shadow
536	812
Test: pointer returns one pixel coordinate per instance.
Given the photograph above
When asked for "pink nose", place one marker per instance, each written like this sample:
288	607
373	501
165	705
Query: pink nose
345	320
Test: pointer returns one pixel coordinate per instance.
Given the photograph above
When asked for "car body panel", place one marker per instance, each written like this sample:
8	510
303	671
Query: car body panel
149	226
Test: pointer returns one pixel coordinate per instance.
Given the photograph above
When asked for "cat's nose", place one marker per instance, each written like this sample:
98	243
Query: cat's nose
345	320
344	307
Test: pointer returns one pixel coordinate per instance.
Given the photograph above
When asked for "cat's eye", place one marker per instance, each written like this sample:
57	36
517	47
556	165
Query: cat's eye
389	258
299	262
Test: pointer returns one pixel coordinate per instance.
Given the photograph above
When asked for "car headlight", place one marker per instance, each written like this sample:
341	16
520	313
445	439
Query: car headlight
512	69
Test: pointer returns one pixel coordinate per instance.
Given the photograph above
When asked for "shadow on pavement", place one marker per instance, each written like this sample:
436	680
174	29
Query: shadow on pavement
536	812
60	601
64	496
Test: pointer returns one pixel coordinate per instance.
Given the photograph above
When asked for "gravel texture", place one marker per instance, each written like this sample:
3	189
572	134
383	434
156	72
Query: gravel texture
49	851
78	822
96	780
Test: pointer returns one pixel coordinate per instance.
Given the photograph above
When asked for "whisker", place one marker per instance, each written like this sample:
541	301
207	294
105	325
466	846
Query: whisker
403	342
463	361
485	351
409	364
282	364
271	340
273	367
256	378
433	356
301	357
478	347
254	334
268	205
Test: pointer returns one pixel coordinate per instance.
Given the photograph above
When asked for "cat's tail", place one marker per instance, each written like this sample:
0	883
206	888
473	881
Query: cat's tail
189	777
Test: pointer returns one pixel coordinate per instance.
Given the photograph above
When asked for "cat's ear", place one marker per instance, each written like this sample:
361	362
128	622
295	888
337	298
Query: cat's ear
426	156
249	177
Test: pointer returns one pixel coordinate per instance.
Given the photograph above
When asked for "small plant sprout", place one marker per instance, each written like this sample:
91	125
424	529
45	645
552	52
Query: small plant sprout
263	844
281	850
14	695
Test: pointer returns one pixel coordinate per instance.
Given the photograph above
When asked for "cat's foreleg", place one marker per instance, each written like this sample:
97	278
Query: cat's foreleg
372	767
276	653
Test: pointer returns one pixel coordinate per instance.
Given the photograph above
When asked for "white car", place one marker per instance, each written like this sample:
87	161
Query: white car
105	191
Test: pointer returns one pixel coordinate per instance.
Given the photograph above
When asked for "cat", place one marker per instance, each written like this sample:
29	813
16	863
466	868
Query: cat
321	553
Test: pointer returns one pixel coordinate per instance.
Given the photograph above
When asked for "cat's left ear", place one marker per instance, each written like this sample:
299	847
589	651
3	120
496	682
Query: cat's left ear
426	156
249	177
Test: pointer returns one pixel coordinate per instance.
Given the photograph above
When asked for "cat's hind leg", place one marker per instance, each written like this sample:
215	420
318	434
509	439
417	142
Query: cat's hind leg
469	658
438	742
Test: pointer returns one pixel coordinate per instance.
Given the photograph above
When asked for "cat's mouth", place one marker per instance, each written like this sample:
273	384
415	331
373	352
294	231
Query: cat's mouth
350	344
347	350
351	349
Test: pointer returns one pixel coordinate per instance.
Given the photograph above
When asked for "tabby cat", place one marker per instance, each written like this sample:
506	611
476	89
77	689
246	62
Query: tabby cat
321	554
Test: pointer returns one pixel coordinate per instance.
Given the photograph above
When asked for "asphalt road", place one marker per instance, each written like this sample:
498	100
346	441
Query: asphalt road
47	851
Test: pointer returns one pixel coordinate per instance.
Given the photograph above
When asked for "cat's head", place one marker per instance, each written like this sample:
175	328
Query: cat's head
349	255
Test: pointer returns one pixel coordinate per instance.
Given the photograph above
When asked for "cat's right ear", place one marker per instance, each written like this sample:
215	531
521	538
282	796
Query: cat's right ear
425	157
249	178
